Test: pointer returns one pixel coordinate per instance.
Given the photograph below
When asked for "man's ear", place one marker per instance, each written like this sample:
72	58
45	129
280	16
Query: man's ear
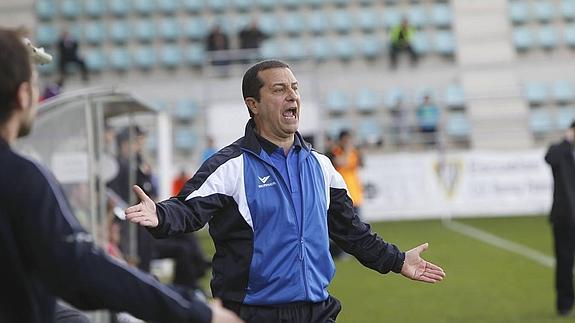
24	95
251	104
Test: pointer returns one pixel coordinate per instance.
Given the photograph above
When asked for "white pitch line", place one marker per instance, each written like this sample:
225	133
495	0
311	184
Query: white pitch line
501	243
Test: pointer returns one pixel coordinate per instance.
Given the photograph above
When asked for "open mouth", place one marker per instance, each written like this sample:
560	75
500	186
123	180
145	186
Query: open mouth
290	113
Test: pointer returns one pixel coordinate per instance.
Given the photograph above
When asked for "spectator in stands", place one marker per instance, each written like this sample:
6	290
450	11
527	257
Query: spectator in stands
179	182
562	217
209	150
45	252
272	202
218	45
401	38
250	39
428	120
68	54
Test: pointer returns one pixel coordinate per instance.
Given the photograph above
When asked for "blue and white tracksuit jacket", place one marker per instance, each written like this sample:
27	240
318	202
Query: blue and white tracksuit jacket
263	255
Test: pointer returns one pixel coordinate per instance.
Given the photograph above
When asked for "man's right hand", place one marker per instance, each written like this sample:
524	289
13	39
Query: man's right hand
143	213
221	314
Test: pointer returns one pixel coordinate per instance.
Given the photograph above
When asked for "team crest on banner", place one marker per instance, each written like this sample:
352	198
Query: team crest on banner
448	173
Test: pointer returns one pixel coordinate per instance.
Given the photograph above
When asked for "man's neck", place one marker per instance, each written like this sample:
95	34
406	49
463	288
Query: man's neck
284	143
9	131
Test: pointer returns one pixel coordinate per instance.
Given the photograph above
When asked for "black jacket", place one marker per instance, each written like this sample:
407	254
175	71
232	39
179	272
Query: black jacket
45	253
560	158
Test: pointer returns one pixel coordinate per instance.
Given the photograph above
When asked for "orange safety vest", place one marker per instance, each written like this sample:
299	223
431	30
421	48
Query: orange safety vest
350	173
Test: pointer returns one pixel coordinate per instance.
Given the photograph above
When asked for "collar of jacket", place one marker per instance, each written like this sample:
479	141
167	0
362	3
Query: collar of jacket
251	143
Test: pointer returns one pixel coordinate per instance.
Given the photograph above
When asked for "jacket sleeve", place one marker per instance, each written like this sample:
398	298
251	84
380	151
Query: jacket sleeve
555	152
353	235
62	254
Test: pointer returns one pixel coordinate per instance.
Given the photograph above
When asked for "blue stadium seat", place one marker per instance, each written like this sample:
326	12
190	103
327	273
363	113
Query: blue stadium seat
454	96
218	6
186	109
371	47
195	28
120	59
294	49
540	121
457	125
292	24
144	7
563	91
544	11
169	29
270	49
94	8
569	35
518	12
565	116
45	9
119	32
417	16
317	22
193	6
292	4
145	31
185	139
535	92
315	3
547	37
391	17
243	5
119	8
368	20
46	35
266	4
367	101
337	102
321	49
339	3
268	23
522	39
341	21
145	58
567	8
196	56
345	48
171	56
367	2
337	125
95	32
393	97
445	43
70	9
239	22
95	60
370	131
421	43
168	7
441	15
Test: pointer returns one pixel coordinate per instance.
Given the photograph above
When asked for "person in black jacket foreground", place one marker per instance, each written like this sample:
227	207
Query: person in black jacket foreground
560	158
45	252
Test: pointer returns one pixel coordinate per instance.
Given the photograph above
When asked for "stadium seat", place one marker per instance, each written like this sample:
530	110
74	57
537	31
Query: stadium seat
168	7
217	6
145	58
337	102
339	3
94	32
193	6
70	9
95	60
145	31
171	56
292	24
345	48
266	5
196	56
563	91
243	5
321	49
441	15
547	37
45	9
46	35
169	29
540	121
518	12
270	49
195	28
337	125
368	20
421	43
535	92
522	39
185	139
417	16
391	17
341	21
315	3
371	47
120	59
294	49
565	116
445	43
454	96
119	8
370	131
457	125
393	97
144	7
543	10
367	2
186	109
292	4
94	8
268	23
567	9
569	36
119	32
367	101
316	22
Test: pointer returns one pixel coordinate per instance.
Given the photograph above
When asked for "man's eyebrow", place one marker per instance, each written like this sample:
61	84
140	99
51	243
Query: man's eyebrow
284	84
